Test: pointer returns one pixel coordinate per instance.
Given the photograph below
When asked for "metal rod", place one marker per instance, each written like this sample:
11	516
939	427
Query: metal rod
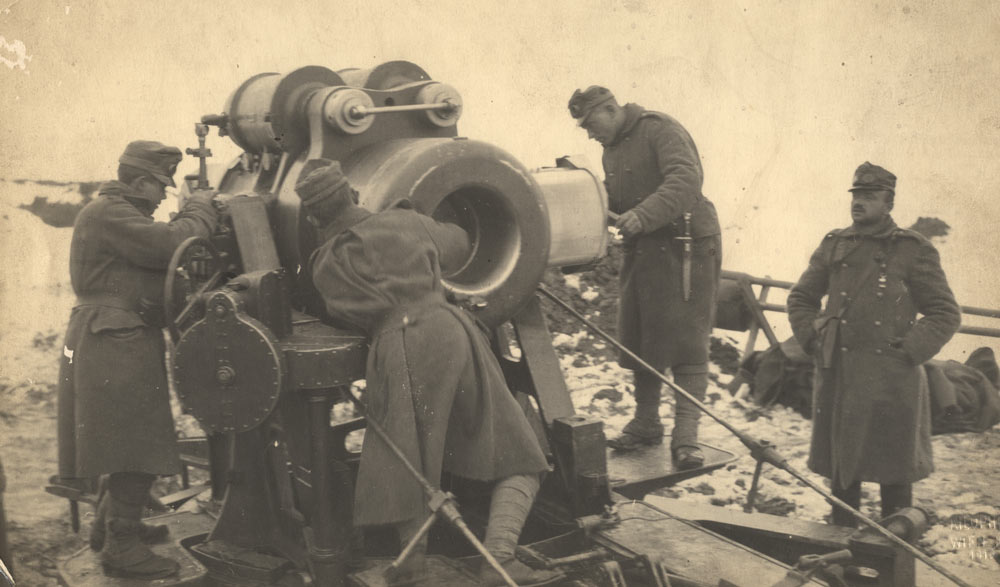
766	281
759	451
359	112
973	311
448	509
424	529
752	494
737	276
979	331
319	421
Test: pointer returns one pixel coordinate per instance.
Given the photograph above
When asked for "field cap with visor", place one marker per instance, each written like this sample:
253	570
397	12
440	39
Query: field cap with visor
869	177
581	104
155	158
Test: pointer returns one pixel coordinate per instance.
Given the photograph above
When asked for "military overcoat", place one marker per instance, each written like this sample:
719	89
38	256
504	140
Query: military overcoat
871	406
652	167
432	380
113	407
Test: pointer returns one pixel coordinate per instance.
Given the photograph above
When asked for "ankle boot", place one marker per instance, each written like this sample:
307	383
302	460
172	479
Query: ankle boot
148	533
124	555
522	574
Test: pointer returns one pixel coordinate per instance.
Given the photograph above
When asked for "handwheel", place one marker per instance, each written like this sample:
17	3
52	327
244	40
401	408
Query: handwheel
194	269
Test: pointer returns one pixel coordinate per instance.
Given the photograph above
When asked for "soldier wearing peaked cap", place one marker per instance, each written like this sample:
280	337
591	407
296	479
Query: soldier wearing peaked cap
114	411
673	259
432	380
871	405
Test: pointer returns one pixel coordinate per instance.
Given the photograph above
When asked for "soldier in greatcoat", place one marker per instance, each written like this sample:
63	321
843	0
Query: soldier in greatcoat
871	406
432	380
673	258
114	409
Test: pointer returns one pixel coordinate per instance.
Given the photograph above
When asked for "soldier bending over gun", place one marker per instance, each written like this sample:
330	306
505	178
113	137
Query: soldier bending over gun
433	382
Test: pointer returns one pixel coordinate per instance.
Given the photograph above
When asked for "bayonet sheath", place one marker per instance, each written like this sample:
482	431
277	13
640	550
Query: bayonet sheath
686	260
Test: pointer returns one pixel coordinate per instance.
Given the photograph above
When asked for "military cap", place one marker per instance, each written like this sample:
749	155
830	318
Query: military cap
873	177
581	104
153	157
324	180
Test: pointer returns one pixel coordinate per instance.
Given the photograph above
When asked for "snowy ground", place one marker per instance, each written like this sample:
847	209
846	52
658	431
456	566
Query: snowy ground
35	299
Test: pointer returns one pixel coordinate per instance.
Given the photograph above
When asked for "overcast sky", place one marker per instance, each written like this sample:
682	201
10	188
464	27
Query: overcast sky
784	99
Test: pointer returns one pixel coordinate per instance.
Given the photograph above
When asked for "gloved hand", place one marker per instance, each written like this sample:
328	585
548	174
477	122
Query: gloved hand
206	195
629	224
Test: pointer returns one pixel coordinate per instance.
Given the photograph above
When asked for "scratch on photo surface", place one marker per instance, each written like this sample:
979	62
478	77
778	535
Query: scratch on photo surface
17	49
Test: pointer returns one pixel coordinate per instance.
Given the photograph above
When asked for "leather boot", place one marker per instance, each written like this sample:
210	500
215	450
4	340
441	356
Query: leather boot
644	429
509	507
851	495
124	555
895	497
522	574
637	433
148	533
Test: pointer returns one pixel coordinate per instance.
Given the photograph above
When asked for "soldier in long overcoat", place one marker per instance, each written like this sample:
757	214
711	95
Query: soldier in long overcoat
871	406
114	408
432	381
654	179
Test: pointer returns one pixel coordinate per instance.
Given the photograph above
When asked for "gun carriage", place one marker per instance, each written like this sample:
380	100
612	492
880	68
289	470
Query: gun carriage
261	366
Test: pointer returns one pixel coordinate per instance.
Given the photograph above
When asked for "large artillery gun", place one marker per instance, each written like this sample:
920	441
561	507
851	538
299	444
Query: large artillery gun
261	366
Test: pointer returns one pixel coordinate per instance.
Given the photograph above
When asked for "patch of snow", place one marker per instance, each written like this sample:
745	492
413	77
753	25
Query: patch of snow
572	280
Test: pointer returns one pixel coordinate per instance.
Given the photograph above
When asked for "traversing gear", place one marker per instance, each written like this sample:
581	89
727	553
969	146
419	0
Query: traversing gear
124	554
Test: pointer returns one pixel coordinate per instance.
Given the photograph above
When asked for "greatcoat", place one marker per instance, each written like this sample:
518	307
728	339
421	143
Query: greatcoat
871	406
114	408
432	381
652	168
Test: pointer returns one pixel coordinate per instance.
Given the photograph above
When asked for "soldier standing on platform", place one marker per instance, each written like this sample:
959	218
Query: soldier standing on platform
871	405
114	409
673	259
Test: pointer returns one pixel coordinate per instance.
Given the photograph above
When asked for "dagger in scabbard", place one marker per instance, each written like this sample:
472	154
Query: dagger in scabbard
687	251
686	260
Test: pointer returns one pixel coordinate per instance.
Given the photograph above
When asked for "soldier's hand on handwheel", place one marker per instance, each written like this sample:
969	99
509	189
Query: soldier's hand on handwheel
201	265
207	194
